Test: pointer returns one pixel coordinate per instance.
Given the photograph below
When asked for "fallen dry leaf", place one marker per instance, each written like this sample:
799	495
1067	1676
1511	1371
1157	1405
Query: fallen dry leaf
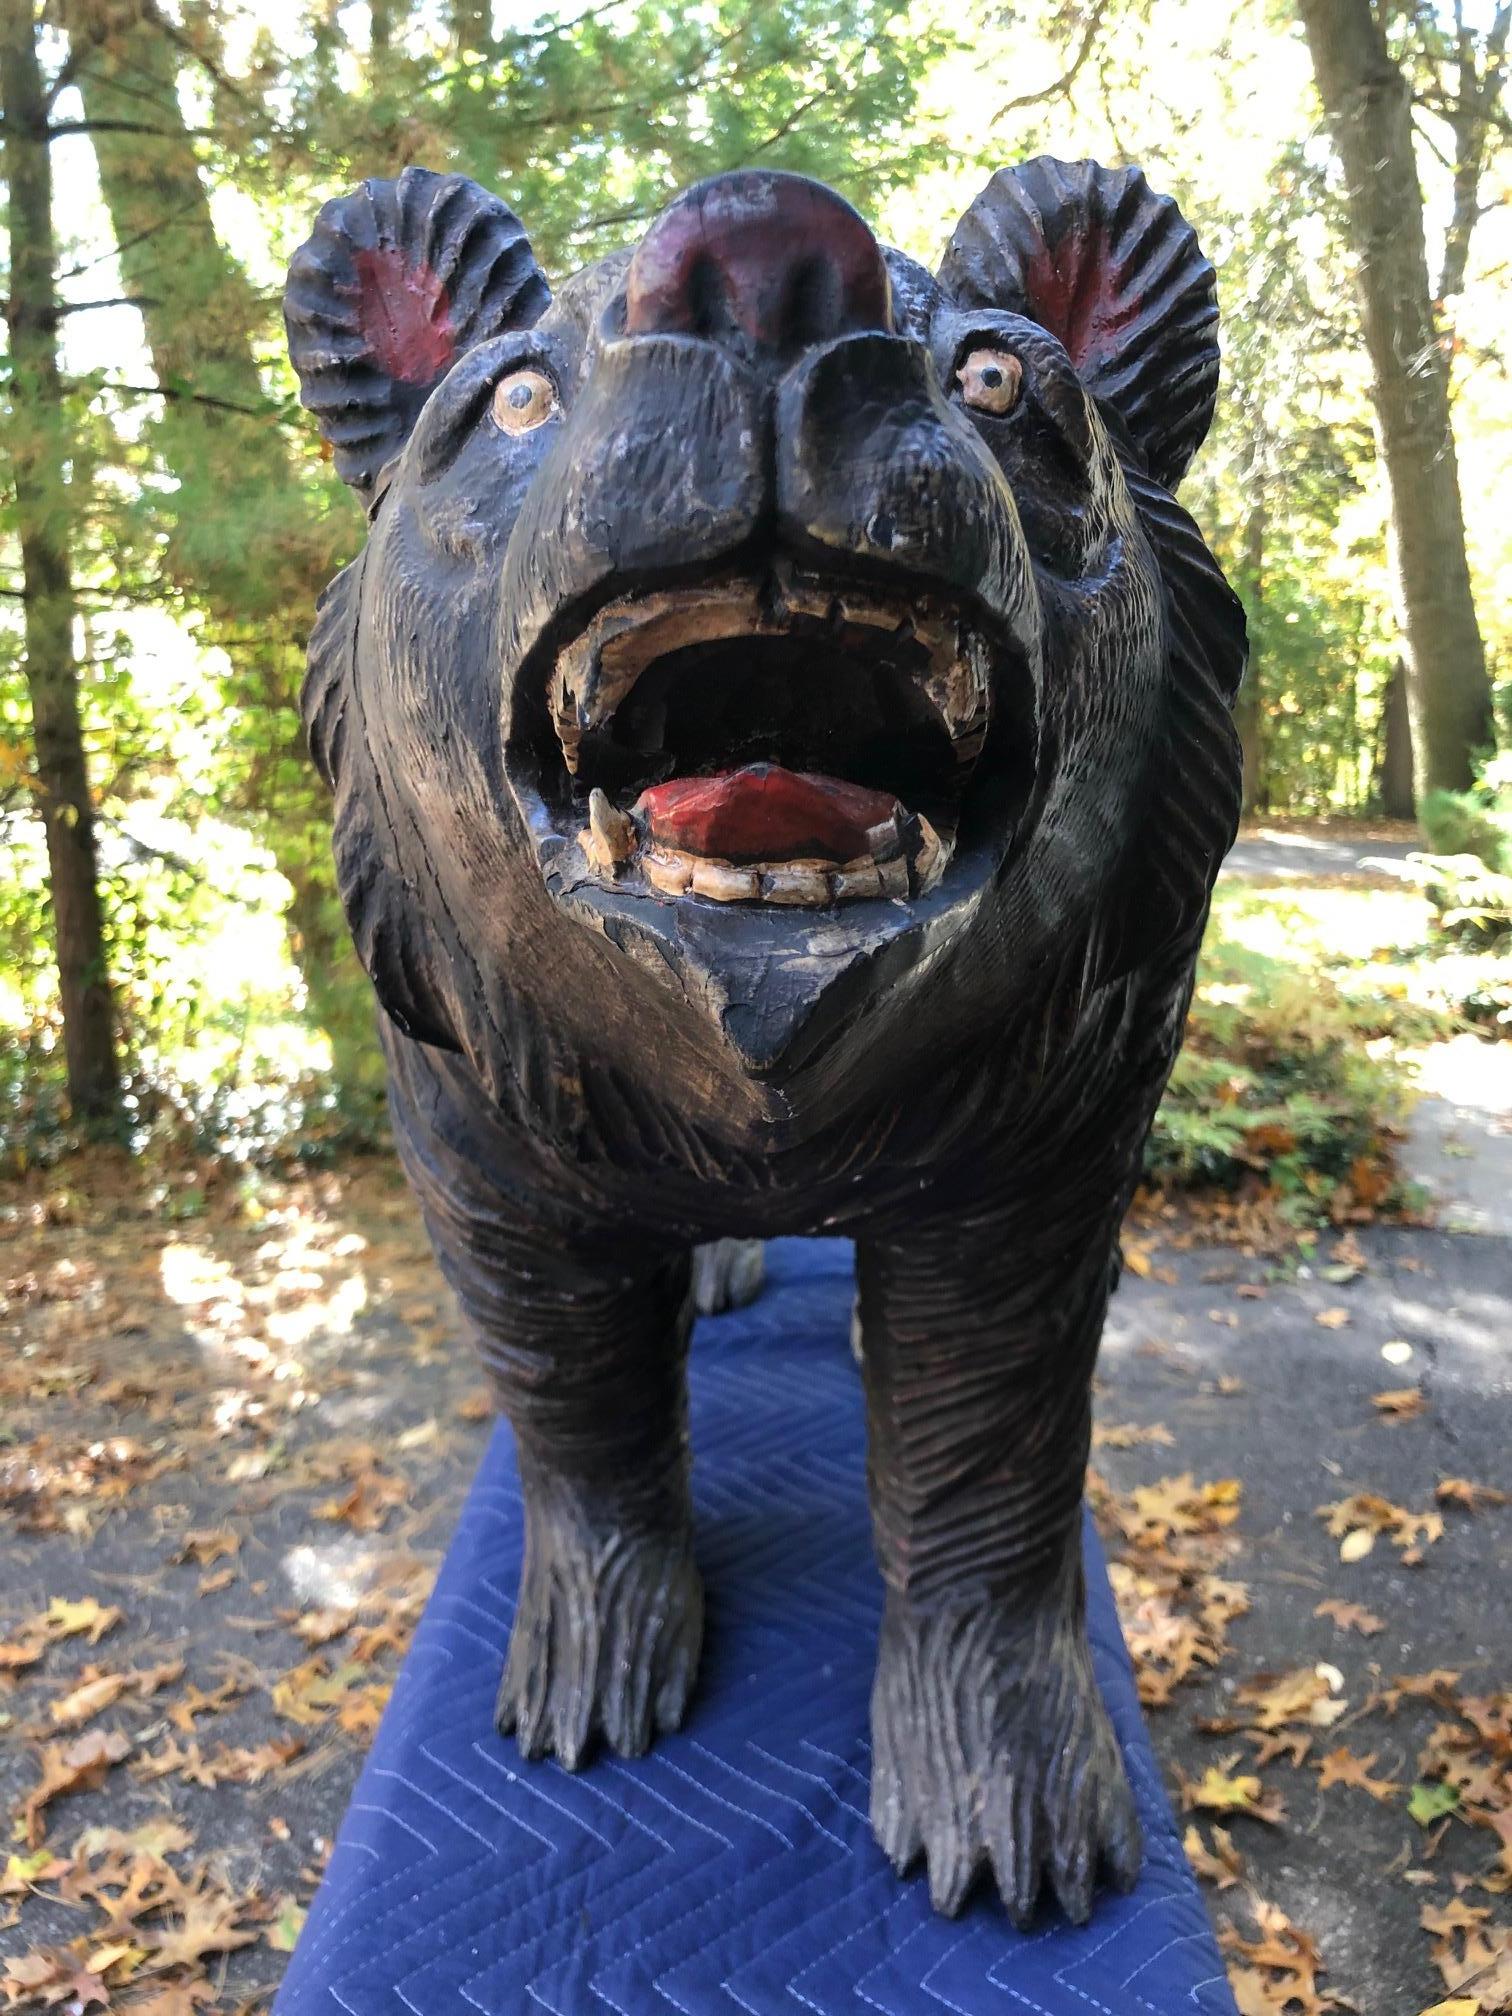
97	1688
1439	1685
1350	1616
184	1997
1401	1403
206	1548
1292	1744
71	1767
66	1619
1481	1966
23	1873
1222	1864
24	1650
1217	1792
1343	1767
1307	1694
1357	1520
1131	1435
208	1924
95	1693
47	1978
154	1837
196	1701
319	1627
1279	1971
287	1924
1460	1491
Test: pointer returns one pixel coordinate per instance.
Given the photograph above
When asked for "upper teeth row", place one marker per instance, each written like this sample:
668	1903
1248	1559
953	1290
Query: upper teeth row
596	671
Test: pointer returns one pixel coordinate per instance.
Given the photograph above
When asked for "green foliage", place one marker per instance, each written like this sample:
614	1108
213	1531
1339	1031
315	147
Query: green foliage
1289	1081
209	500
589	120
1472	902
1468	875
1280	489
1477	822
214	501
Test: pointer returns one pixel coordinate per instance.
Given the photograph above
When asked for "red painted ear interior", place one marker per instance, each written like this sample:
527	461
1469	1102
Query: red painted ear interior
1073	294
404	313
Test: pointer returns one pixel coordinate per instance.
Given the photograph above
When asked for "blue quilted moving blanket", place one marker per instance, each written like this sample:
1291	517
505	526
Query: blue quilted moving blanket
733	1869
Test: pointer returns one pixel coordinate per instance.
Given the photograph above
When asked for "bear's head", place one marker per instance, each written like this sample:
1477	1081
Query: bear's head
769	662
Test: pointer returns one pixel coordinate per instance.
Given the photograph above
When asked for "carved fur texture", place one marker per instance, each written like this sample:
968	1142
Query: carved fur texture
780	734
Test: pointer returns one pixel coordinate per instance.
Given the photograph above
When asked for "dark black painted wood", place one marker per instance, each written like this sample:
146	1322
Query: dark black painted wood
760	493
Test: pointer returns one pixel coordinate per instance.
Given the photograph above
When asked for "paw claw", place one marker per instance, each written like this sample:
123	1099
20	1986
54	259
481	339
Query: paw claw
1071	1877
992	1748
600	1632
949	1881
1123	1840
1023	1899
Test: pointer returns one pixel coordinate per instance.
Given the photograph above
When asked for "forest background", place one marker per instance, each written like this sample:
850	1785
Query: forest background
172	957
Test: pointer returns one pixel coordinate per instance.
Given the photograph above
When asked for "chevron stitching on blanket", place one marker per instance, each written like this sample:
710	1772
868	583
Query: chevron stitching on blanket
733	1869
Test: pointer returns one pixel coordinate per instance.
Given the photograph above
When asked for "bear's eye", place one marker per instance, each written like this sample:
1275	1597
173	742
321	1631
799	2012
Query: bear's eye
991	380
523	400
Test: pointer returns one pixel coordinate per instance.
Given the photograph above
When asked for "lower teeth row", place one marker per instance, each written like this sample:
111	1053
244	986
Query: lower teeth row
807	883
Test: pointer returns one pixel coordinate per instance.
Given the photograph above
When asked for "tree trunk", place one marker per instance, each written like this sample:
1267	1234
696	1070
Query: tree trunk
1367	103
38	444
1394	777
258	577
471	26
1249	710
1471	118
1248	713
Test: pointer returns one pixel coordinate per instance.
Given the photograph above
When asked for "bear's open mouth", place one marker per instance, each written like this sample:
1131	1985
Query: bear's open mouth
773	741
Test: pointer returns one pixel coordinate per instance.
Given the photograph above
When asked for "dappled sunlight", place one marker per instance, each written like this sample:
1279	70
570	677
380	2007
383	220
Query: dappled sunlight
266	1314
1294	924
332	1575
1316	855
1460	1145
1473	1322
1468	1073
1377	946
239	1409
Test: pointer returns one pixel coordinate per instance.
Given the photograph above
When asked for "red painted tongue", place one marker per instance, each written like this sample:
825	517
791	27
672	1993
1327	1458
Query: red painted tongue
765	813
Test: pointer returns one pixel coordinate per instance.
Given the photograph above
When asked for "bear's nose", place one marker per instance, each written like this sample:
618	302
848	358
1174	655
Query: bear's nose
758	260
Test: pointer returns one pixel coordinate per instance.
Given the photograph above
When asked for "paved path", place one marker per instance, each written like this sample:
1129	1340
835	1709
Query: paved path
1284	854
1301	1431
1459	1136
1459	1140
333	1485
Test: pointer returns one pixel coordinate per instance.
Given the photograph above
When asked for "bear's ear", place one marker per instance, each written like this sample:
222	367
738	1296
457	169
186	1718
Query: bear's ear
395	282
1115	273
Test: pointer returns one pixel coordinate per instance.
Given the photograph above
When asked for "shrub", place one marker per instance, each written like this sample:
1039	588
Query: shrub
1467	877
1468	822
1471	901
1287	1085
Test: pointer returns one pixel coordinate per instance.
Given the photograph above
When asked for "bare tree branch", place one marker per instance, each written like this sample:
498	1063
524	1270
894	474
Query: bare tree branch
1062	86
61	129
183	392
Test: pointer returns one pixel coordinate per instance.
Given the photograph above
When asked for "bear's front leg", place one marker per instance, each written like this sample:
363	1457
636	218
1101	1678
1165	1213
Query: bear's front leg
584	1335
991	1744
587	1358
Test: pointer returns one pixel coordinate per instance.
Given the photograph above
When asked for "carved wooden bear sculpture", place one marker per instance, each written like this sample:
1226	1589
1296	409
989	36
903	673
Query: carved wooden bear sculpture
779	726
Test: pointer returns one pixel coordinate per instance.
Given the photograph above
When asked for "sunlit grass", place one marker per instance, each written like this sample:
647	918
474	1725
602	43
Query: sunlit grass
1373	944
1319	1015
1300	924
